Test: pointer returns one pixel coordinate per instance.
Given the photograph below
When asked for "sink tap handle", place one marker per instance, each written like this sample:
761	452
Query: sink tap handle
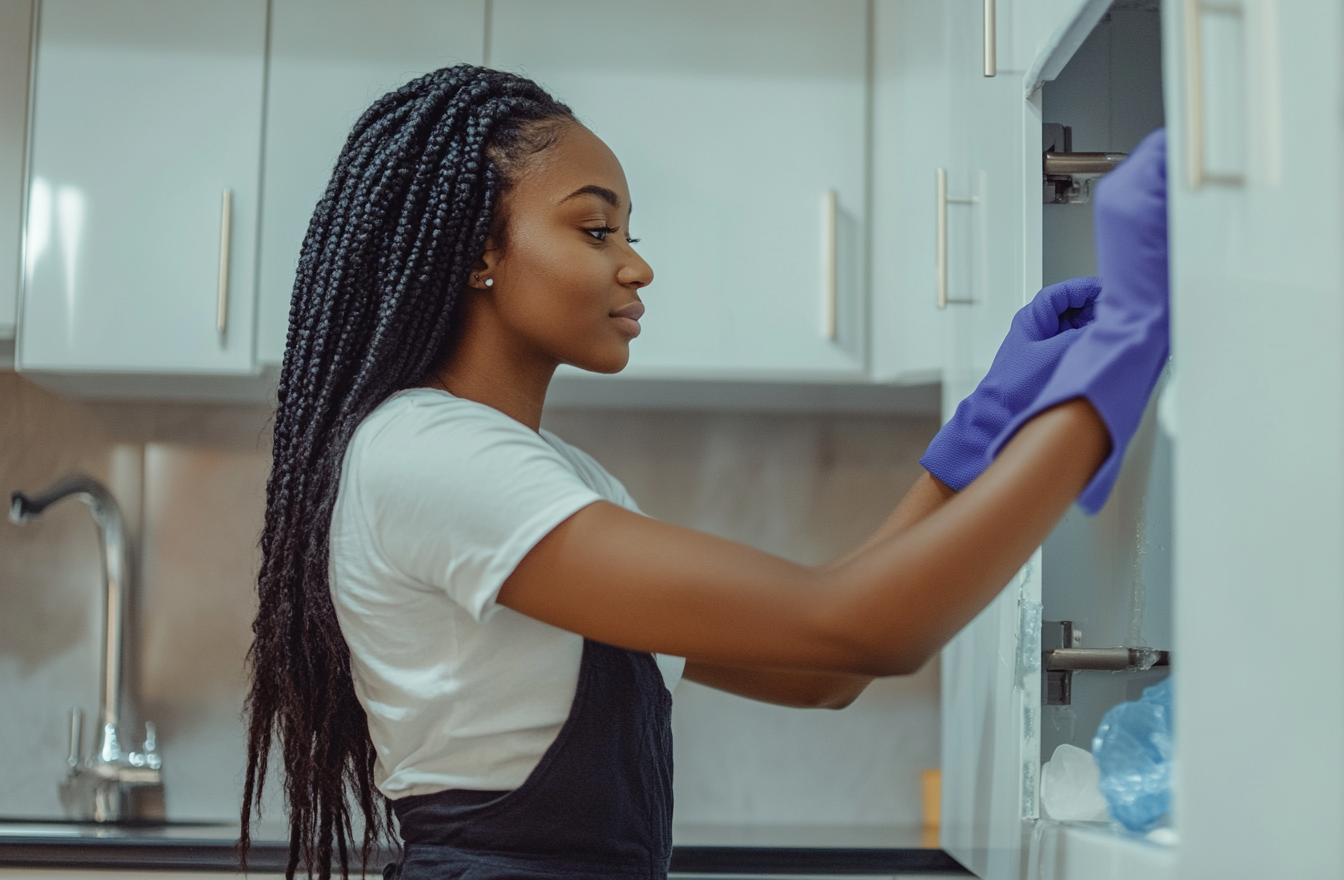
152	759
76	753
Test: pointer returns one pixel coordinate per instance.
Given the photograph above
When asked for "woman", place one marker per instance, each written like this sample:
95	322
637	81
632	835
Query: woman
457	609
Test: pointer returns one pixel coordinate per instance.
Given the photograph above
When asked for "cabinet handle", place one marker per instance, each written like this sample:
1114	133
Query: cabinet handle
991	38
225	249
1104	659
940	247
830	219
1194	93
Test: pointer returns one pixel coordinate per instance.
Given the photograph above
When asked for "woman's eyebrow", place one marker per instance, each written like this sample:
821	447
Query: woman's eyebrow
592	189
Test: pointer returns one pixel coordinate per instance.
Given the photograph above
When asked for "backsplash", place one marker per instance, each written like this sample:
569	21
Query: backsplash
191	481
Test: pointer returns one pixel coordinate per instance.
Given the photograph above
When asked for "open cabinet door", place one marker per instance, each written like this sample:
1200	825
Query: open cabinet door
1247	468
1256	154
1093	571
990	698
991	670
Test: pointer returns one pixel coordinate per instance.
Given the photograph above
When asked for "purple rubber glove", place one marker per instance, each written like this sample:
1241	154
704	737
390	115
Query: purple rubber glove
1117	359
1041	332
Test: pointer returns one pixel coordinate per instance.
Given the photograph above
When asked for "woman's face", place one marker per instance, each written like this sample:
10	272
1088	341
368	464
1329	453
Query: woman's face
566	282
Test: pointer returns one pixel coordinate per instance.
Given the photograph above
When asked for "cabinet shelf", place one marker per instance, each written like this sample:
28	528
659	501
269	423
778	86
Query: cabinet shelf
1096	851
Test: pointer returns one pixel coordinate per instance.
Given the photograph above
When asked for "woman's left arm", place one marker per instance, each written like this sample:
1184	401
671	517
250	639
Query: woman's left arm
784	687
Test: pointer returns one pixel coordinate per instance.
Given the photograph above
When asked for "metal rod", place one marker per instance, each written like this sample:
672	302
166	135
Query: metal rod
830	220
1104	659
1069	164
940	243
940	247
991	38
1194	96
225	247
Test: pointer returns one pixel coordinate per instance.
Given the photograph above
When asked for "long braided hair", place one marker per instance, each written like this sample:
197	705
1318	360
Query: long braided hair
408	211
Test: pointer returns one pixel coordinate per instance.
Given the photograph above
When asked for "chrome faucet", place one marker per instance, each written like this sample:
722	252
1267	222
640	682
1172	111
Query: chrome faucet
103	779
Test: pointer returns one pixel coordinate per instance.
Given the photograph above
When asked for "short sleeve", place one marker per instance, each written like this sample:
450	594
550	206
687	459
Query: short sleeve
455	494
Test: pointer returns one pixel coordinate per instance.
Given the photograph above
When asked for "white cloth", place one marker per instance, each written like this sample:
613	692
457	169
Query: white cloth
440	498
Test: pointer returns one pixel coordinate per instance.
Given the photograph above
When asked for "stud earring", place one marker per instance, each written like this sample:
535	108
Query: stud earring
489	282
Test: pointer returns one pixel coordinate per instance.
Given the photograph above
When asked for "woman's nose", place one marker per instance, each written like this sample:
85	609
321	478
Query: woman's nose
636	273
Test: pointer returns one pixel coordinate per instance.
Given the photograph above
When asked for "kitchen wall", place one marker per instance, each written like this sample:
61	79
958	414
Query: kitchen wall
191	479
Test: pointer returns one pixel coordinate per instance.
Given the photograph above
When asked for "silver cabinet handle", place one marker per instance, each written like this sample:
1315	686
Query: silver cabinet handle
830	219
1104	659
1069	164
1194	92
991	38
940	247
225	248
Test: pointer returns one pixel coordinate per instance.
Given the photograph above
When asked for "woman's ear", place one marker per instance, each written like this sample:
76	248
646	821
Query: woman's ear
482	271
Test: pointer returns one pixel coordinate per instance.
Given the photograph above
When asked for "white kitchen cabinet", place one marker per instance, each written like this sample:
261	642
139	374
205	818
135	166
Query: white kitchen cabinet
991	265
742	129
16	18
942	310
1222	536
992	168
329	60
1027	33
911	120
996	732
143	188
1258	320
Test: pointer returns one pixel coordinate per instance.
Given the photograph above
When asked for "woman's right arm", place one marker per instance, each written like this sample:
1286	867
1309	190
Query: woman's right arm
621	578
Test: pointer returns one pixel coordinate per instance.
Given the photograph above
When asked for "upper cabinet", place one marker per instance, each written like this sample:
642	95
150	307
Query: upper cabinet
912	109
741	125
16	18
329	60
143	187
179	147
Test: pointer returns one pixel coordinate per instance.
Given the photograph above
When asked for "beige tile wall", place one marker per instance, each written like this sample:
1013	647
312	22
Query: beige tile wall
192	477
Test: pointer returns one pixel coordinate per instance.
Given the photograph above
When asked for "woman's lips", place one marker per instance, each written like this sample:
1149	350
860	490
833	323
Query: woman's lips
627	318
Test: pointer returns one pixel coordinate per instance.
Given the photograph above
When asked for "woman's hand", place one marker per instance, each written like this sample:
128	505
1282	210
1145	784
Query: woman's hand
1040	333
1117	359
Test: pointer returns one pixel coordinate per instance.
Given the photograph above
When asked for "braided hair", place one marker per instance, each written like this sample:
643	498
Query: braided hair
391	245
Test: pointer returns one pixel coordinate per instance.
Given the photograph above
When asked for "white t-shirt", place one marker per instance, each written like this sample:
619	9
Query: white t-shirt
440	499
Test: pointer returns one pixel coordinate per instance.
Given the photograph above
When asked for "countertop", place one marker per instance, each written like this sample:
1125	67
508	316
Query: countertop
698	849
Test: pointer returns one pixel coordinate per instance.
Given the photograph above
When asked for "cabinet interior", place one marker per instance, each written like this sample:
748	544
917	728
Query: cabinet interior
1109	574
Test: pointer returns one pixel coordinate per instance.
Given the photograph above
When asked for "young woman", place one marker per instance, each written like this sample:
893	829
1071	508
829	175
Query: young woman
458	611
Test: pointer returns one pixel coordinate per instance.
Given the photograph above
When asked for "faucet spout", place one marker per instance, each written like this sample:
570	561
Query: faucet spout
110	768
115	558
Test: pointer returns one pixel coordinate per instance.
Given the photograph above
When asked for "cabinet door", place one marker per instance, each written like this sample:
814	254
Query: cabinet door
329	60
736	121
991	682
1256	165
146	113
15	33
1027	31
994	724
911	124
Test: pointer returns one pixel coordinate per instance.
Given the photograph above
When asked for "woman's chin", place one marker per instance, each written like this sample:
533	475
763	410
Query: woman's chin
607	362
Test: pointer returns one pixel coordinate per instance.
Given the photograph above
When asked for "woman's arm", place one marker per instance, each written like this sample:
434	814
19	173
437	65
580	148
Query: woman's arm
798	688
821	690
628	580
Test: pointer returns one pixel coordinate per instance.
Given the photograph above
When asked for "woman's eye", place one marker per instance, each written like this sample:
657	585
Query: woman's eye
600	233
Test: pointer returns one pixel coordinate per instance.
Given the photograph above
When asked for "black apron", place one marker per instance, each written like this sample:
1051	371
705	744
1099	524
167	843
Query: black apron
598	805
